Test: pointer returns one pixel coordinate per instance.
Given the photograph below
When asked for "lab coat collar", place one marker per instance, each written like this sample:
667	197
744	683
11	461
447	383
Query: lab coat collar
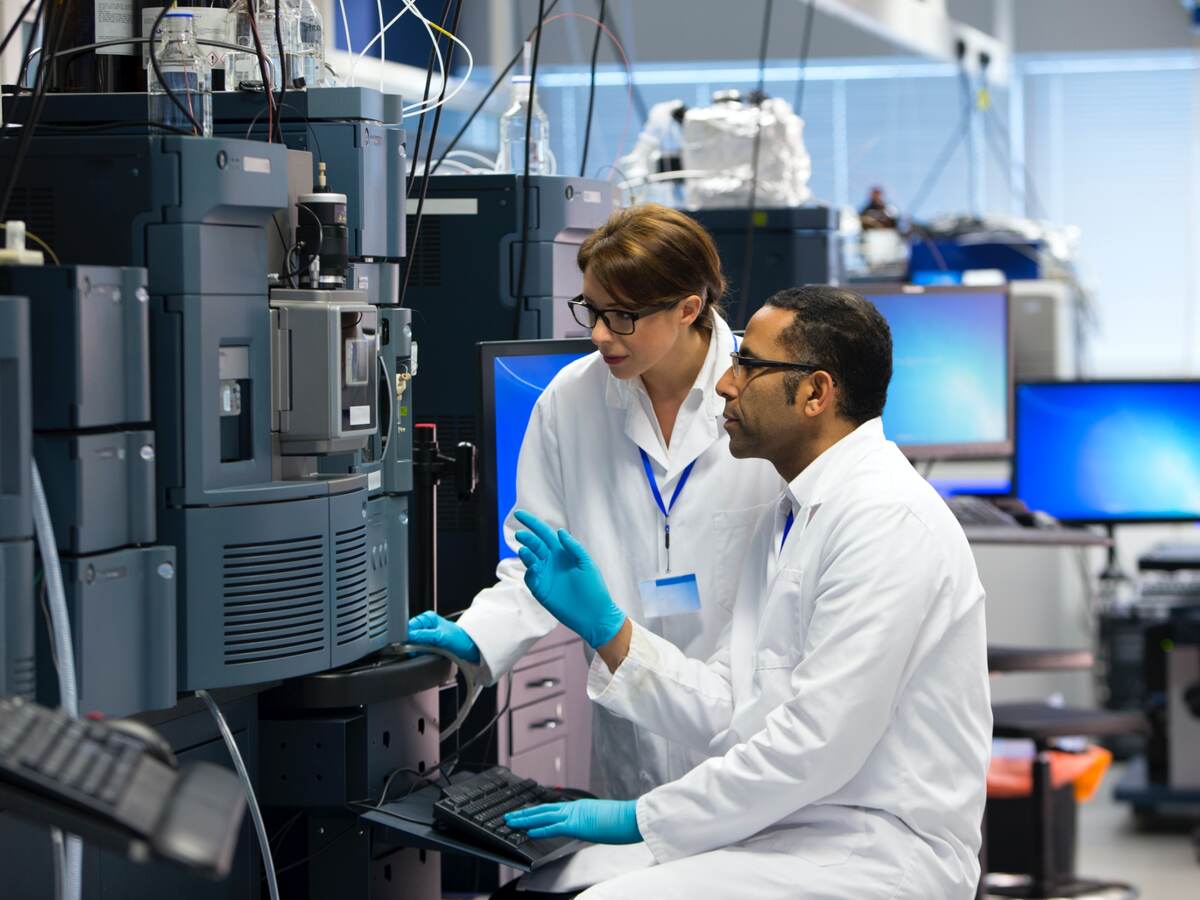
809	488
697	417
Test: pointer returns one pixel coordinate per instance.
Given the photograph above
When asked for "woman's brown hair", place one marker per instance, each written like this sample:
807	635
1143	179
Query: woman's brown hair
649	256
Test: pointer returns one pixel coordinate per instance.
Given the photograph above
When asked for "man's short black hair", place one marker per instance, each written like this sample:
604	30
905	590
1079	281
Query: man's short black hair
844	333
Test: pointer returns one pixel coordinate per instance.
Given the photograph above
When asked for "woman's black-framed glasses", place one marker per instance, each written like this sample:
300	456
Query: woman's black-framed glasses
618	321
741	364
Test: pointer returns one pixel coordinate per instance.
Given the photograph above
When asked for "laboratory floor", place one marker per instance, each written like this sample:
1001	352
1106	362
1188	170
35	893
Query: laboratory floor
1162	863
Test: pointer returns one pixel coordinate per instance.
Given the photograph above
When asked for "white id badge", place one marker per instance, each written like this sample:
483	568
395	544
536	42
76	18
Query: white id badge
670	596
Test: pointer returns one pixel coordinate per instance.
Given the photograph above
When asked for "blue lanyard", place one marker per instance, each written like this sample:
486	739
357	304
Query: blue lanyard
663	507
787	526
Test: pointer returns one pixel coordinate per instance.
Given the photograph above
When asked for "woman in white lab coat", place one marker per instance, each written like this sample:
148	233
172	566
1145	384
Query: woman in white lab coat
618	440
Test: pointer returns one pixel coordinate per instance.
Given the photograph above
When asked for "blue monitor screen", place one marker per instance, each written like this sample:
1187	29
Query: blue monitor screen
518	381
950	382
1109	451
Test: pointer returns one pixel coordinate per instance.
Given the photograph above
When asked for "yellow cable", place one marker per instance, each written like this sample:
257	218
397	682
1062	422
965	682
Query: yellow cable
37	240
441	29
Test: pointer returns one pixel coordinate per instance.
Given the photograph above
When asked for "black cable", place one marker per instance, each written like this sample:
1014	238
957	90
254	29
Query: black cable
805	44
969	103
527	193
29	45
416	153
587	130
639	102
748	254
487	96
252	9
437	121
52	32
939	162
158	72
333	840
20	17
307	124
283	72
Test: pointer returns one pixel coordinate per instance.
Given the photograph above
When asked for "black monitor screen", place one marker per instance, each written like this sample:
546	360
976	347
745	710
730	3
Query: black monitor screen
951	382
514	375
1109	451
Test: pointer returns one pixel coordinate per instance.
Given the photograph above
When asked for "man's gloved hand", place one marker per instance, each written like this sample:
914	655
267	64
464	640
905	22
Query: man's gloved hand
598	821
432	630
562	577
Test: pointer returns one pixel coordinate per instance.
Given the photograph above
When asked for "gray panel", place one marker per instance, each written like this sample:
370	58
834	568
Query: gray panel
16	489
216	259
17	671
100	488
122	608
90	335
397	354
190	335
382	557
398	547
254	591
350	557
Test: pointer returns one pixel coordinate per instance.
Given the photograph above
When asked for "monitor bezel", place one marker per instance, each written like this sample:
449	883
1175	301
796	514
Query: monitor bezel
488	352
1094	382
974	450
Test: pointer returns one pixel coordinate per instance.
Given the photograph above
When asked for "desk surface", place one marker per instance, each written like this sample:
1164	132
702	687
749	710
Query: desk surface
1041	537
1006	658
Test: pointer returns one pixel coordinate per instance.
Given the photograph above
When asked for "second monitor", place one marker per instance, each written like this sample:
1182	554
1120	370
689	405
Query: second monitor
951	390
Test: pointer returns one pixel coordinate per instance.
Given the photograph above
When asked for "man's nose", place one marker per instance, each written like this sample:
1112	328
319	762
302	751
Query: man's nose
727	385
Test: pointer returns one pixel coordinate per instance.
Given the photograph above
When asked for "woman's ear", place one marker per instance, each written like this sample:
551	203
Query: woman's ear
691	308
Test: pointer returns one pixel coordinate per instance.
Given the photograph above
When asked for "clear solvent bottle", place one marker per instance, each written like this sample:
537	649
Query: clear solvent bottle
512	132
185	71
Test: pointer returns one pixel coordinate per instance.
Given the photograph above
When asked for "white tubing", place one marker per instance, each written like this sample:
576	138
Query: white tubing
60	625
251	800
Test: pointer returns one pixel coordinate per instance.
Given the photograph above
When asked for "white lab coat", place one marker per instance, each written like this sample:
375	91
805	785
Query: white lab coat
579	468
846	710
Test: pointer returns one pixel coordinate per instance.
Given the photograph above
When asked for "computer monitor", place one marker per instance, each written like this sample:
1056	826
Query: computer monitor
951	390
513	376
1109	451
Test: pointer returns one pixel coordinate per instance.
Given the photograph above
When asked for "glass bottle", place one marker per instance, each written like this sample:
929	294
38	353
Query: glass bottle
512	132
244	67
310	57
184	69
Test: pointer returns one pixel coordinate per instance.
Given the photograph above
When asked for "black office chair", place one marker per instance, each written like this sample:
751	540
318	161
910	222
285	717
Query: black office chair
1051	875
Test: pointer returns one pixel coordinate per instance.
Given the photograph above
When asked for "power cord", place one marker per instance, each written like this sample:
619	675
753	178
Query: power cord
805	45
437	120
251	799
587	129
17	20
748	255
487	95
527	185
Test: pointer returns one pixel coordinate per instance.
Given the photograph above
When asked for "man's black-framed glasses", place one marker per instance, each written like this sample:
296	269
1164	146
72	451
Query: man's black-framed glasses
618	321
743	364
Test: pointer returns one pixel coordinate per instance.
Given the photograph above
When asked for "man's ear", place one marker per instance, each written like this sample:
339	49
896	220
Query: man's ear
822	393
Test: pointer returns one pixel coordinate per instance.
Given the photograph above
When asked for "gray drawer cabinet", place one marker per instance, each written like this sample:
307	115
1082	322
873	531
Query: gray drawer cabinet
547	733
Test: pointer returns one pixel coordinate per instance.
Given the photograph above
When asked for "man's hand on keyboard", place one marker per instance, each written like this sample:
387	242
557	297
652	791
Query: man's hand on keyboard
598	821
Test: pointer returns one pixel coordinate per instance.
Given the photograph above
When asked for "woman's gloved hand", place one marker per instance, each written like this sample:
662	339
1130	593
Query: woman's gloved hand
432	630
562	577
598	821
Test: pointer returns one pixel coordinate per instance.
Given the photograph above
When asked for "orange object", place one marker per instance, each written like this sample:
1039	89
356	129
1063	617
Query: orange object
1008	777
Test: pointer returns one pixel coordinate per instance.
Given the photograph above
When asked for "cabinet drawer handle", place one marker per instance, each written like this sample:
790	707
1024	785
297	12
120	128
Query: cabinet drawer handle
543	683
545	724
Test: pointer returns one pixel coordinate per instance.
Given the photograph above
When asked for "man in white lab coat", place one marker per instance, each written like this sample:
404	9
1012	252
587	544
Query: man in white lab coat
845	710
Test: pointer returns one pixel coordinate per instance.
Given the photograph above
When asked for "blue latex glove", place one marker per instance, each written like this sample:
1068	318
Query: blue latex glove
562	577
432	630
598	821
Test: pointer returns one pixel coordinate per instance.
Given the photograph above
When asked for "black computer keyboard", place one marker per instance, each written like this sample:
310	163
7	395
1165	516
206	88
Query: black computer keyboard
109	786
971	510
475	808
